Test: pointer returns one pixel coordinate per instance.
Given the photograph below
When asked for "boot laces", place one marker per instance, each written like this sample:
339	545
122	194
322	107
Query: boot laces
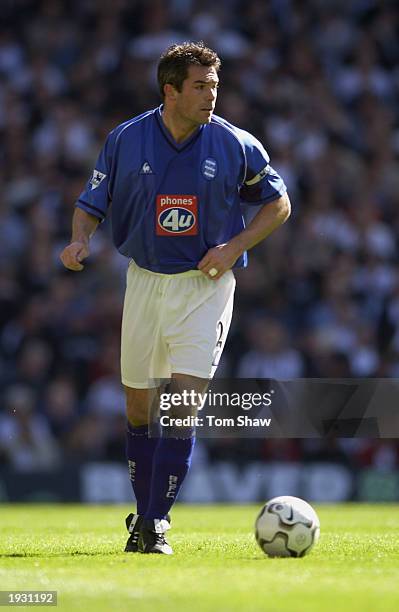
160	539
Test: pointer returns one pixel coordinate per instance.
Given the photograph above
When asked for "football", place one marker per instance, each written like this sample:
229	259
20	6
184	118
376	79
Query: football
287	527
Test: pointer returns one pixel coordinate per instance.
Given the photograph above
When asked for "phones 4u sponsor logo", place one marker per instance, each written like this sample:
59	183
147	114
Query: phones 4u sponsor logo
176	215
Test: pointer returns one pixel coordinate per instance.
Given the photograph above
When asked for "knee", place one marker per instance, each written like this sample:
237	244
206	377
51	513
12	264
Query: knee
136	418
138	406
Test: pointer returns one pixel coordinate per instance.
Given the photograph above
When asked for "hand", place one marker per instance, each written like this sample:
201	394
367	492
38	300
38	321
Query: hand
220	258
73	254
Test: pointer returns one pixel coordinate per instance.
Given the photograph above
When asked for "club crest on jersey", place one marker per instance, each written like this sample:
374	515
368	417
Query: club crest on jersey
209	168
97	179
176	215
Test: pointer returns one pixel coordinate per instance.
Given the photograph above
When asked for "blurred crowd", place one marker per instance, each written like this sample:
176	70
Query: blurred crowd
318	83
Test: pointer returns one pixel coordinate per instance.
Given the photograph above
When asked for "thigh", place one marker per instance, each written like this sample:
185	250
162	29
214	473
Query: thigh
197	340
143	350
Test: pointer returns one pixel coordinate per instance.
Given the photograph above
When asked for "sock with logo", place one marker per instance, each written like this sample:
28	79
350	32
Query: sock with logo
140	450
171	463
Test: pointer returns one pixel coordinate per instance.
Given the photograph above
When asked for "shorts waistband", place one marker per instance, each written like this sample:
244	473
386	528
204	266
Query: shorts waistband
187	274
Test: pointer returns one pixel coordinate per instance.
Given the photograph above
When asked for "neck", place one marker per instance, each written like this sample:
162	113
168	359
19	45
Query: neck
179	128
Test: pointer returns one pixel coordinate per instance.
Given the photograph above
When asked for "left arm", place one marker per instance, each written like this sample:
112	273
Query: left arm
224	256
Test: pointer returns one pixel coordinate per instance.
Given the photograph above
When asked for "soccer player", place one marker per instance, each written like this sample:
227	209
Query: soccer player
176	177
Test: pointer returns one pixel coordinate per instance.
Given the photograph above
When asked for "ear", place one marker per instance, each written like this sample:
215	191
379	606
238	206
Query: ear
169	91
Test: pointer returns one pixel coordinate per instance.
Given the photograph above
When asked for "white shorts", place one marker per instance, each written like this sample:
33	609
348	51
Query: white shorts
173	323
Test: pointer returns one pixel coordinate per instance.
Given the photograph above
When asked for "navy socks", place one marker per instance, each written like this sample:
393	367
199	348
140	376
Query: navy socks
140	451
171	463
157	468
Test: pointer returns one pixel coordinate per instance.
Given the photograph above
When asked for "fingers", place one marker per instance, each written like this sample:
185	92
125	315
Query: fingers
211	265
216	262
72	256
211	268
214	274
76	267
71	263
204	262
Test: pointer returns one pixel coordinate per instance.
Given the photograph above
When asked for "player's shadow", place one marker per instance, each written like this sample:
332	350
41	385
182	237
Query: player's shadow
74	553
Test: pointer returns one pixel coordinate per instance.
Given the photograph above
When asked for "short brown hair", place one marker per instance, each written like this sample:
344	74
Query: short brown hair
175	61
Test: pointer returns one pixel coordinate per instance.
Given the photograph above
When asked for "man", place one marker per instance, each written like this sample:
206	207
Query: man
176	177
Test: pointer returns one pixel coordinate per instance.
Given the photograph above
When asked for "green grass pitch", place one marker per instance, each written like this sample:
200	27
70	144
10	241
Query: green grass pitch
217	565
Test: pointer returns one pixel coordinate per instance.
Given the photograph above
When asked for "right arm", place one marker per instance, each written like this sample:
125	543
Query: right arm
83	227
95	197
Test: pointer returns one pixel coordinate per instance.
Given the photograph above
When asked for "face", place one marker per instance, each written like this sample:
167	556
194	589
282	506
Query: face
196	101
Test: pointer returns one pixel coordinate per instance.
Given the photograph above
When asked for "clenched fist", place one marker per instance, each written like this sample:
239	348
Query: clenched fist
74	254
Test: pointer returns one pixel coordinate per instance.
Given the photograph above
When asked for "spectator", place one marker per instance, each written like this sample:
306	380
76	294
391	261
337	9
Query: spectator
25	439
319	86
271	355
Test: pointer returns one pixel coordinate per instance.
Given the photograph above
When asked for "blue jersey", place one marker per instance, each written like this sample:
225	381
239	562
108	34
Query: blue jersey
170	202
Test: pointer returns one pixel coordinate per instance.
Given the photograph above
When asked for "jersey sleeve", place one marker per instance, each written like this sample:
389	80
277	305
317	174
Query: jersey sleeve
96	196
262	183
